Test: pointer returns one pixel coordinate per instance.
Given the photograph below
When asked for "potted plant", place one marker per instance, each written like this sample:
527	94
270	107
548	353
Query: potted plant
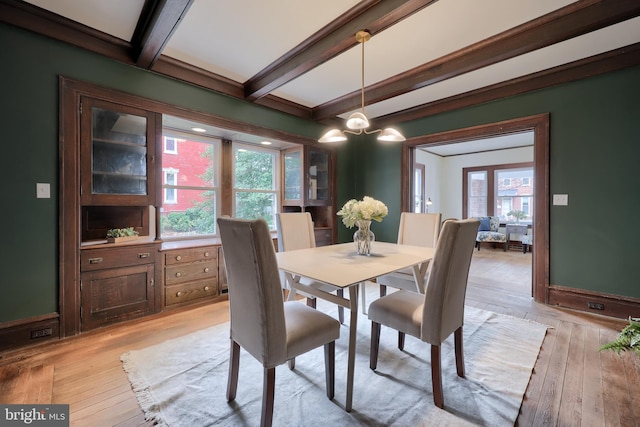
116	235
518	215
628	339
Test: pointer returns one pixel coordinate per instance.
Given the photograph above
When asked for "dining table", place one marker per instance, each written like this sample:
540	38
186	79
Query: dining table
342	267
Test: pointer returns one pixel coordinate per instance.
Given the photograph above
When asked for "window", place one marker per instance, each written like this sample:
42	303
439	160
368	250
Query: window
255	183
170	145
477	201
190	186
170	180
499	190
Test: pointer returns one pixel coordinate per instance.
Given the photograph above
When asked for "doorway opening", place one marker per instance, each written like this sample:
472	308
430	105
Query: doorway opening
535	126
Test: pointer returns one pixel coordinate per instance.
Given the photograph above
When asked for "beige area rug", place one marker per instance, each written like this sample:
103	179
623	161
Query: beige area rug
182	382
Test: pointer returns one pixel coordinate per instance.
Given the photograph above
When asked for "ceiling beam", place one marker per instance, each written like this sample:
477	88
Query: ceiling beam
606	62
330	41
158	21
563	24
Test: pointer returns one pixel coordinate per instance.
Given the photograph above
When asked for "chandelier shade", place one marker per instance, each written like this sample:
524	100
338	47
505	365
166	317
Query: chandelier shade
357	122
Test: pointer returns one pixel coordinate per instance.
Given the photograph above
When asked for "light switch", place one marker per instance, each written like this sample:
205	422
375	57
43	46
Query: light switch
561	199
43	190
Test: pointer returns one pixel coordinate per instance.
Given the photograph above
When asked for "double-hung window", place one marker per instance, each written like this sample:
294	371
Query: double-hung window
190	185
255	182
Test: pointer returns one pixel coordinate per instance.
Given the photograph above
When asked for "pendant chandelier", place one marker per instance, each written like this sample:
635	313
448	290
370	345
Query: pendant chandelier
357	123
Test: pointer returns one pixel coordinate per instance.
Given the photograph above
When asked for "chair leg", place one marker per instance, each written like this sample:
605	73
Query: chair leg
401	336
292	363
311	302
375	343
457	337
383	290
340	293
330	368
234	368
436	376
268	394
478	245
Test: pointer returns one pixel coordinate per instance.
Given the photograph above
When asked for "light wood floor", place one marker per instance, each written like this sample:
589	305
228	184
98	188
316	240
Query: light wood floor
572	384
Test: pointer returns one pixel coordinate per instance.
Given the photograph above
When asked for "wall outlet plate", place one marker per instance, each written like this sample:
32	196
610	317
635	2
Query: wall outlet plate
43	190
560	199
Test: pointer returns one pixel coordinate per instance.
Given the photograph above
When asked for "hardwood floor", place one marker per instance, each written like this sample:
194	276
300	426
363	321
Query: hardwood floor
573	384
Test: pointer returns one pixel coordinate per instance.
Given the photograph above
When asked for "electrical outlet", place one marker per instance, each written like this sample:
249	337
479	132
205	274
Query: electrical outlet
39	333
560	199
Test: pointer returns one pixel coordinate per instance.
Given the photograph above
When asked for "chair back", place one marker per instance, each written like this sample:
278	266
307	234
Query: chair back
295	231
419	229
255	296
443	310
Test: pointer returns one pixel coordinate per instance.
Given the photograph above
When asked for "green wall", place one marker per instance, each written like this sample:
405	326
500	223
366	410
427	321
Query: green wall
29	74
594	152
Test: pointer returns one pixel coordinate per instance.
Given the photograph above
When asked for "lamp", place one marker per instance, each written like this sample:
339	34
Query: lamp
357	123
428	203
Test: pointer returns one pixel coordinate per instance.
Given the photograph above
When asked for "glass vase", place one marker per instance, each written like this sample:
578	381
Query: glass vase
364	237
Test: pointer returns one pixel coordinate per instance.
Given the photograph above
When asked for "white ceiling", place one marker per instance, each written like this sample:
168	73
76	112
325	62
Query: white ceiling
237	39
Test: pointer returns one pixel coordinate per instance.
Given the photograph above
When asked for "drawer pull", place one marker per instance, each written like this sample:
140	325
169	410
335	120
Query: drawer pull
207	288
95	260
179	294
206	269
178	258
178	274
206	254
144	255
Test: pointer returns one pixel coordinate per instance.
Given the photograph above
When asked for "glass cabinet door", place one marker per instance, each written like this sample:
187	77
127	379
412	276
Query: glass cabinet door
319	192
117	154
292	176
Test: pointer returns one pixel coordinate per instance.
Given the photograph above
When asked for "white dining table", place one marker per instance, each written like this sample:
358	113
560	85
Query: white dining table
340	266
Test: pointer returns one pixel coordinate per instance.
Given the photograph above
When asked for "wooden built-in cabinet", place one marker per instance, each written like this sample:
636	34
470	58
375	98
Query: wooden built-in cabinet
117	283
118	151
308	186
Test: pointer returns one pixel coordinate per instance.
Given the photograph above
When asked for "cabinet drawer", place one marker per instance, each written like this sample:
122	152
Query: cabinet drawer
186	272
190	255
98	259
191	291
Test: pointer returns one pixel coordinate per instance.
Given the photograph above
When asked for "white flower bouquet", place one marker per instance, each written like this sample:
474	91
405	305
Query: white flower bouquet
367	209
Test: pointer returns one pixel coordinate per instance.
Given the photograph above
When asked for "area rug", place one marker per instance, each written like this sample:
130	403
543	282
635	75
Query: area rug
182	382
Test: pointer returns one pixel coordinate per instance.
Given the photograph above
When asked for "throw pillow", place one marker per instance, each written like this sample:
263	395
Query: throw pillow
485	224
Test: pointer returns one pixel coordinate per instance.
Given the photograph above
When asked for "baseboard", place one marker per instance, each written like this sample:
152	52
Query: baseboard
30	331
594	302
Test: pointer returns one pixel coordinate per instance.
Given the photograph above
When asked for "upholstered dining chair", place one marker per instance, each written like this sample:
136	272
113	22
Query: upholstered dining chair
270	329
417	229
295	231
434	316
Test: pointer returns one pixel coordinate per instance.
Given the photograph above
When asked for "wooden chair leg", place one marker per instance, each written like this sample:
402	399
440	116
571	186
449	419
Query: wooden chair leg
375	343
401	340
340	293
330	368
268	394
457	337
383	290
436	376
234	368
292	363
311	302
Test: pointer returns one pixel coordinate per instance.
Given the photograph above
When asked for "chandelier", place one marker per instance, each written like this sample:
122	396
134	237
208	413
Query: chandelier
357	123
